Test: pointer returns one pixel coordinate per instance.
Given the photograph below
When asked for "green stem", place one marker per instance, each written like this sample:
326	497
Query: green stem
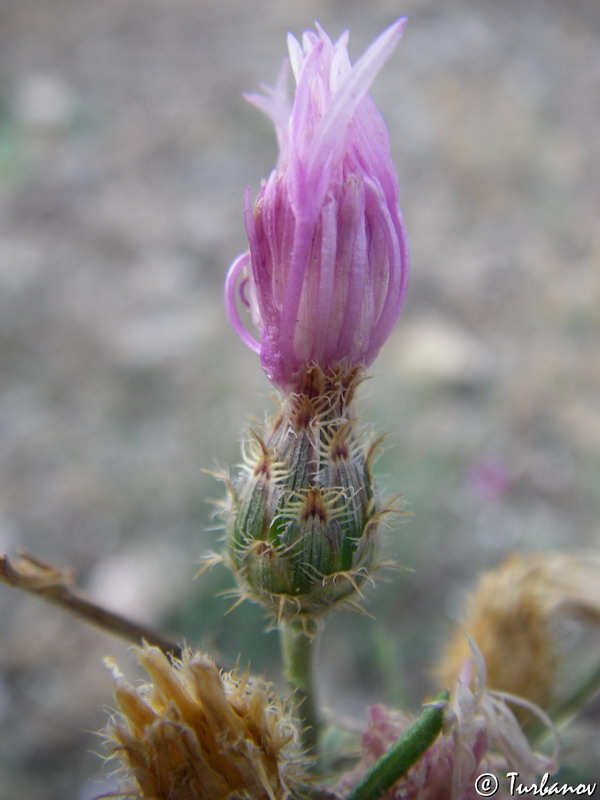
297	649
573	703
568	707
405	752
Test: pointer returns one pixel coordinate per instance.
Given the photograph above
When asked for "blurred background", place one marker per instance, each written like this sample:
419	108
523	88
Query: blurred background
125	146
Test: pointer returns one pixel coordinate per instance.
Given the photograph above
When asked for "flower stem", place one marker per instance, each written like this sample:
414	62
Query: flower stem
574	702
405	752
297	648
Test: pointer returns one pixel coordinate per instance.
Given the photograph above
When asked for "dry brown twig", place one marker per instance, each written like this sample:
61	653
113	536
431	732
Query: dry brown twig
57	586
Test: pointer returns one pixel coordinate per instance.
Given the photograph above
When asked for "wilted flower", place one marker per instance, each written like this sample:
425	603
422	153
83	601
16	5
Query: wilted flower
513	615
327	267
481	734
195	732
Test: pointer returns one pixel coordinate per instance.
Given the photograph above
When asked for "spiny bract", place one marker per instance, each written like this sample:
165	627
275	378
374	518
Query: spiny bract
302	519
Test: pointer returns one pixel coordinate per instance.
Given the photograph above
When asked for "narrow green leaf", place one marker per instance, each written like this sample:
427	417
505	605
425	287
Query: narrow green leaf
405	752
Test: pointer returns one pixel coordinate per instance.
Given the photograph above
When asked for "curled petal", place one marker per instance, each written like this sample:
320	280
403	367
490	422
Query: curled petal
230	300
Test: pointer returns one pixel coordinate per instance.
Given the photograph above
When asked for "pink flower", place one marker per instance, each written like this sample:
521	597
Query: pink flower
481	734
489	478
327	266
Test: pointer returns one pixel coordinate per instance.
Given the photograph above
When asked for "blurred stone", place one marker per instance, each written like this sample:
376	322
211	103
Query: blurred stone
45	102
8	533
437	353
5	700
581	417
20	263
141	582
156	336
100	787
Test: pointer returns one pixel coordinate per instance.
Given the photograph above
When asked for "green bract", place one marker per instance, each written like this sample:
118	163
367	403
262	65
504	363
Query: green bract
301	532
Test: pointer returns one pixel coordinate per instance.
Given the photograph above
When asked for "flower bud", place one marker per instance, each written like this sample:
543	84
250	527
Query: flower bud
327	266
301	530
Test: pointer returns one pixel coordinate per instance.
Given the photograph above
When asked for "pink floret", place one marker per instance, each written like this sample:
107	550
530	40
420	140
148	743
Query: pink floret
327	266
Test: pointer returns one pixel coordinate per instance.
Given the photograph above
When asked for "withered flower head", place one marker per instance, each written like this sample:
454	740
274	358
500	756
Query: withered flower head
480	734
197	732
512	615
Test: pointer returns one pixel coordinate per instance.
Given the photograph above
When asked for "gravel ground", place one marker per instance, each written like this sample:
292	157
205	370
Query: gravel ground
125	146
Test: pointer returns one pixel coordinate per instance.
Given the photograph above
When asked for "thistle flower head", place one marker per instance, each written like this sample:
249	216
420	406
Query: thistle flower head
195	732
327	266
